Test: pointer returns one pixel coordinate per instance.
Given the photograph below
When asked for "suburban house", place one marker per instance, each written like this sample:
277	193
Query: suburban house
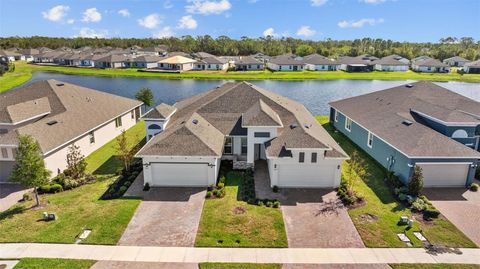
286	62
418	124
361	63
472	67
248	63
176	63
245	124
8	56
202	55
145	61
392	63
316	62
211	63
456	61
160	50
156	119
57	115
113	61
29	54
430	65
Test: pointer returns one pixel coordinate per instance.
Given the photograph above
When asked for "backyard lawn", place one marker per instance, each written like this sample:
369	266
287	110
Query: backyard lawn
76	209
376	221
38	263
230	222
239	266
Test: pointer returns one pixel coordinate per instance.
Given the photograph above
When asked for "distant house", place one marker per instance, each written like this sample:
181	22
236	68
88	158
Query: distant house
472	67
145	61
248	63
202	55
176	63
211	63
156	119
57	115
286	62
90	59
391	63
430	65
456	61
29	54
113	61
160	50
419	124
8	56
316	62
362	63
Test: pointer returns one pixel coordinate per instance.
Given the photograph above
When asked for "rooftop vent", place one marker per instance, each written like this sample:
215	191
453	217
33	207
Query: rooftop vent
307	126
407	122
60	84
195	121
409	86
53	122
293	126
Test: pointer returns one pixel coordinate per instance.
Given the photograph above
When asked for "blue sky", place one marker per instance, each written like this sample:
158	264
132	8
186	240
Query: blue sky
400	20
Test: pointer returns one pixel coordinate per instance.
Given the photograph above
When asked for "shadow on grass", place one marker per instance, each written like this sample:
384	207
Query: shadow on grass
9	213
111	166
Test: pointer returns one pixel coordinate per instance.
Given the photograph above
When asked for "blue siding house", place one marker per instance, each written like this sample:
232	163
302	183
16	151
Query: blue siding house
419	124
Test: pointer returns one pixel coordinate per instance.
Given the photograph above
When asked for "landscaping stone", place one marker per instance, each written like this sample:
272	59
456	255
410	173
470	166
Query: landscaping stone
420	236
403	238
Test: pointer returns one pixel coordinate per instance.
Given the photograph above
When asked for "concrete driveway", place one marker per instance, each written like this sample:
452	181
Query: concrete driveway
10	194
166	217
314	218
461	207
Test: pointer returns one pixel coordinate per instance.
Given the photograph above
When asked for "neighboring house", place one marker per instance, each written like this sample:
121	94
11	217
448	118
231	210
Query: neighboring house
316	62
419	124
8	56
456	61
29	54
362	63
248	63
89	60
286	62
202	55
176	63
472	67
430	65
211	63
156	119
113	61
145	61
160	50
245	124
57	115
392	63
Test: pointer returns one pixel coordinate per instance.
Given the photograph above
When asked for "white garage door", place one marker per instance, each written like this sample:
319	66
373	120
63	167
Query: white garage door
444	175
179	174
307	176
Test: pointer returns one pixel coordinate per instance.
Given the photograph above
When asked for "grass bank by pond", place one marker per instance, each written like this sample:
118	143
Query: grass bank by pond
23	72
376	221
77	208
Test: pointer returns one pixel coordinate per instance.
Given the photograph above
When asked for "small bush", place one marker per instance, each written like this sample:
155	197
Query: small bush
222	179
221	185
54	188
221	193
403	197
146	187
431	213
260	203
401	190
275	189
269	203
26	197
474	187
276	204
215	192
122	190
209	194
127	184
44	189
419	205
210	187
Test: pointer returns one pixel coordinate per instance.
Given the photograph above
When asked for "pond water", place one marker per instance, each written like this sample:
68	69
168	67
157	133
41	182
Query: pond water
314	94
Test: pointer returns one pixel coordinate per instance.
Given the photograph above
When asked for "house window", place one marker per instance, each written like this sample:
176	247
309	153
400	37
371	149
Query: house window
261	134
228	148
336	116
91	137
314	157
258	66
132	114
348	124
301	157
118	122
280	67
370	140
244	145
4	153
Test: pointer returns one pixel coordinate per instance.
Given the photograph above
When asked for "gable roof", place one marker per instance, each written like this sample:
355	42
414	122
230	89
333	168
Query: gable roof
247	60
286	59
318	59
214	60
473	64
260	114
390	60
28	110
430	62
177	60
361	59
162	111
456	59
384	112
223	108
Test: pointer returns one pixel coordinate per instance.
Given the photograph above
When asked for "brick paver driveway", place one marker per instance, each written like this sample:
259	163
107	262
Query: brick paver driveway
166	217
313	217
461	207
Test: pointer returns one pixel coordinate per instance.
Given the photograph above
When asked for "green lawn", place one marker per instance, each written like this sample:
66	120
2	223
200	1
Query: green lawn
239	266
435	266
23	73
381	203
37	263
77	209
257	227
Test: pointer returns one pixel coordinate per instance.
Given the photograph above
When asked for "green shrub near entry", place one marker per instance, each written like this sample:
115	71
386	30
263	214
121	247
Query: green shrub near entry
474	187
431	213
26	197
209	194
221	185
419	205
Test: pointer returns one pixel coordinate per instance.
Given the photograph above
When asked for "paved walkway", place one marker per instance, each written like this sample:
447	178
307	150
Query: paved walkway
247	255
10	194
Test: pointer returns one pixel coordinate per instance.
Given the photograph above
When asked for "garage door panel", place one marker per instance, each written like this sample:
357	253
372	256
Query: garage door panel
307	176
185	174
444	175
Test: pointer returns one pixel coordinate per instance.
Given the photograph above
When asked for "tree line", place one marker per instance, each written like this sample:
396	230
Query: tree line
466	47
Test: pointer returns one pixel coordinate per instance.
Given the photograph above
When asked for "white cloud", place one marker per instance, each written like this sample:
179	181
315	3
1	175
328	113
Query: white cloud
92	15
151	21
56	13
317	3
187	22
374	2
306	31
269	32
71	21
164	32
168	4
360	23
90	33
124	12
207	7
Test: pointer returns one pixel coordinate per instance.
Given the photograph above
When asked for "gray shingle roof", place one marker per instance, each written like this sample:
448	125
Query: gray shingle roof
473	64
384	112
247	60
318	59
260	114
161	111
430	62
389	60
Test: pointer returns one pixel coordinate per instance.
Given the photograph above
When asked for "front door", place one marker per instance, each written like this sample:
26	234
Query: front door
257	152
295	68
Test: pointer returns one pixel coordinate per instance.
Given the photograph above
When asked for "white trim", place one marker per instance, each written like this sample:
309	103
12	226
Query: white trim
443	163
335	117
347	119
406	155
370	145
22	121
93	129
466	124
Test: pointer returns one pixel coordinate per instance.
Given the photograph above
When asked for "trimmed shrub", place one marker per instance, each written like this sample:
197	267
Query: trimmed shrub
221	185
431	213
260	203
215	192
26	197
276	204
127	184
122	190
474	187
419	205
146	187
54	188
222	179
275	189
209	194
269	203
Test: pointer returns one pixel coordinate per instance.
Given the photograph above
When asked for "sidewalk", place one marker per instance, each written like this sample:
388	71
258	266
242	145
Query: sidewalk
247	255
